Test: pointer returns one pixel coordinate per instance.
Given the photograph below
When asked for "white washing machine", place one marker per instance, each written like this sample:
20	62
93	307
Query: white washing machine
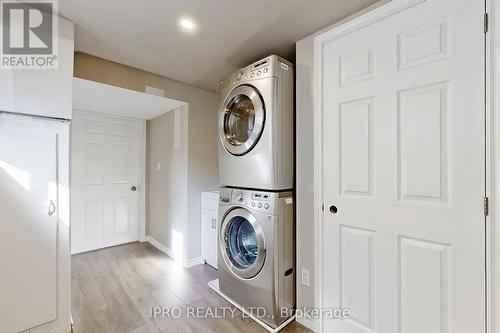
256	126
256	254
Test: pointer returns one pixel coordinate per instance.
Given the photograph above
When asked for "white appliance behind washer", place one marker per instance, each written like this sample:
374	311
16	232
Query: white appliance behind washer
256	126
257	251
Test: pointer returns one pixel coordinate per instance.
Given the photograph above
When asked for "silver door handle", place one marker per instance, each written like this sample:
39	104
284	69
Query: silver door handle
214	223
52	208
133	189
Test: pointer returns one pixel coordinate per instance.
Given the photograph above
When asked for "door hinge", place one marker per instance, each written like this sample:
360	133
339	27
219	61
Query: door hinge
323	207
486	22
486	206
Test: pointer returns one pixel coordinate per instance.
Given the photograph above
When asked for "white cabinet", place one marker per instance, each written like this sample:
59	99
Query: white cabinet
209	227
34	228
42	92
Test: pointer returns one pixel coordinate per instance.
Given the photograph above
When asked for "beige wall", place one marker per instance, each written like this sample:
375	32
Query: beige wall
202	166
168	187
304	67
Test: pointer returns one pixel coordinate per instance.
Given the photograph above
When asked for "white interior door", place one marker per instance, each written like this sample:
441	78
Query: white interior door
403	170
28	235
104	172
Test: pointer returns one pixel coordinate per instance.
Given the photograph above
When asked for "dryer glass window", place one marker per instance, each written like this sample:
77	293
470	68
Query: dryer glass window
239	120
242	243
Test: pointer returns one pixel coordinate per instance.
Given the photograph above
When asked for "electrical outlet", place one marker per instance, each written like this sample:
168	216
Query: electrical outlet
306	277
158	166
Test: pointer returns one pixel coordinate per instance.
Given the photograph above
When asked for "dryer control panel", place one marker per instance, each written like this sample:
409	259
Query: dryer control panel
265	68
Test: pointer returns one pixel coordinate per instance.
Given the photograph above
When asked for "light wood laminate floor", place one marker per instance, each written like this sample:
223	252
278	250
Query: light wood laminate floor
114	289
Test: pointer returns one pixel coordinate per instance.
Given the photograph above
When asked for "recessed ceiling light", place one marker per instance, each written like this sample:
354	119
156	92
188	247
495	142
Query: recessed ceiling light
187	24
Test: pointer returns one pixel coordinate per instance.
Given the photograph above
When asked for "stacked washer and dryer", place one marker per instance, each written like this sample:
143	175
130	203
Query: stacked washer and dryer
256	209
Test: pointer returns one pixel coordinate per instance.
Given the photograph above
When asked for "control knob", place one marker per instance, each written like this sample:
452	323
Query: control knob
240	197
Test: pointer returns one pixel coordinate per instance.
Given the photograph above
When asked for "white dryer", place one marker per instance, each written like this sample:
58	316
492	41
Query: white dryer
256	126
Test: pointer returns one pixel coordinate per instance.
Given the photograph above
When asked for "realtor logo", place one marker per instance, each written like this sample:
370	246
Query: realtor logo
29	35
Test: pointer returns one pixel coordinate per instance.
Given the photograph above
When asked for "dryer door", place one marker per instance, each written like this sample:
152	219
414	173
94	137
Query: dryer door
242	120
242	243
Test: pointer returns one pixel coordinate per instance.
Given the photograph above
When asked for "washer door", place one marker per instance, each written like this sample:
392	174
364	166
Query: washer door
242	243
242	120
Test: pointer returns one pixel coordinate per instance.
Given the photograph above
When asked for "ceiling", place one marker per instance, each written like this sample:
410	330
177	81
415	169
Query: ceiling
230	33
102	98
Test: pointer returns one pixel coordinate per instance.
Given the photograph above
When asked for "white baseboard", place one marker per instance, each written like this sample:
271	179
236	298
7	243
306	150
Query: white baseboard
193	262
186	263
309	323
161	247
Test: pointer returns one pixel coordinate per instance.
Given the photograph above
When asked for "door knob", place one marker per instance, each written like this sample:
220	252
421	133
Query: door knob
133	188
333	209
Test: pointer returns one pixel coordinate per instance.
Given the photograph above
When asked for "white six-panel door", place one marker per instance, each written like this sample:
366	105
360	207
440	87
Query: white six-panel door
402	101
104	169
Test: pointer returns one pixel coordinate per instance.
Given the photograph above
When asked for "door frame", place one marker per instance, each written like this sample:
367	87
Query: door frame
492	126
377	12
141	169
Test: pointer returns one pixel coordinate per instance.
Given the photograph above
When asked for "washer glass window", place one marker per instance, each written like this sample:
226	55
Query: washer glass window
242	241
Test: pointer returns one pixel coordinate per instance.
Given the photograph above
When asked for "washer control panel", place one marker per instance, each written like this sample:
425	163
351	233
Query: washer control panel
260	201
